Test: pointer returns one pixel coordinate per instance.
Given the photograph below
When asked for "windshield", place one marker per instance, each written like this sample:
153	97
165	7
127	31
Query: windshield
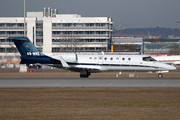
148	59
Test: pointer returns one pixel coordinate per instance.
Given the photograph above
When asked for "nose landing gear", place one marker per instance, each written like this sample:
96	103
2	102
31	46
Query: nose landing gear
160	75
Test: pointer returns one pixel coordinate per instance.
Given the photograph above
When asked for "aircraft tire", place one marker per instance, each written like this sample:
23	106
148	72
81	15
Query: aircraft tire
85	75
160	75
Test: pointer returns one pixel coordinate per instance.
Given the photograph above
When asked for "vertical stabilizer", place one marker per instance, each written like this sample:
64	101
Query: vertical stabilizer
25	46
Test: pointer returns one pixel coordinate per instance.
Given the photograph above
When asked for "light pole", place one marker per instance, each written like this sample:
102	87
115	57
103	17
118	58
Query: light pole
24	19
179	40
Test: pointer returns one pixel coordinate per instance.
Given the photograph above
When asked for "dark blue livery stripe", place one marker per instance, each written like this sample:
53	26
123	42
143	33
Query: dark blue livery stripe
125	65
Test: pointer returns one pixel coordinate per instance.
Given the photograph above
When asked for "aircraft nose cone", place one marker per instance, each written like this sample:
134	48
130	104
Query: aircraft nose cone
171	67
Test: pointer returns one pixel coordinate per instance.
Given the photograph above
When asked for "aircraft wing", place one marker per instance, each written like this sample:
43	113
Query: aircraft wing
64	63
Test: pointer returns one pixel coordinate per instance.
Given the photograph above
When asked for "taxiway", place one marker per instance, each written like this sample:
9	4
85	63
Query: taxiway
89	82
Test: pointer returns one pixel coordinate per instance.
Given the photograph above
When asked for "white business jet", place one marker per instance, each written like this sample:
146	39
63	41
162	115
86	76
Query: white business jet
87	64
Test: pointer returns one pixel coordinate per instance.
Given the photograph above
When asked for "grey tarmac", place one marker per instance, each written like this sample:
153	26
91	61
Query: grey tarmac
89	82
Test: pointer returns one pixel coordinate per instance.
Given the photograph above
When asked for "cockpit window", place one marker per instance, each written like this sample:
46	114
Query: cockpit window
148	59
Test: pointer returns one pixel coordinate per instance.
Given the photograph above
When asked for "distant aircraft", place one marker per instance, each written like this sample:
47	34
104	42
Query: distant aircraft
87	64
174	59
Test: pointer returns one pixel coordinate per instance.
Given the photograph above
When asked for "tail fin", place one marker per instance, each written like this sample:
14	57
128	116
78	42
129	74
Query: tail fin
25	46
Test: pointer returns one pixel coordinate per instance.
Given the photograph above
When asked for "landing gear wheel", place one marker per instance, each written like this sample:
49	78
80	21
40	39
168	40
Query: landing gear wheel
84	74
160	75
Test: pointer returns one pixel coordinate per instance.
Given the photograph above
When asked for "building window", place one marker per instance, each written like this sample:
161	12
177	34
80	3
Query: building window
2	32
11	50
86	24
2	24
20	24
39	40
20	32
2	49
91	24
56	49
59	24
80	32
69	24
91	32
2	40
39	25
39	33
98	24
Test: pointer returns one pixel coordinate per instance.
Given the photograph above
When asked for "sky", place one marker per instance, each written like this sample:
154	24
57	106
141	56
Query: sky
130	13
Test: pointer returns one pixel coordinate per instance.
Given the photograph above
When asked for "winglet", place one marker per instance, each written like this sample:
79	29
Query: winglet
64	62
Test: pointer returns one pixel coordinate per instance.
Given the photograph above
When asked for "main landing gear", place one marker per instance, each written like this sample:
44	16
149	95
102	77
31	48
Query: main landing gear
160	75
84	74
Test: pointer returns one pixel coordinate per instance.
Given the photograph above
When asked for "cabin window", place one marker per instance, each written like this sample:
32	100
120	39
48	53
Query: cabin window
148	59
123	58
129	59
111	58
95	58
117	58
90	58
105	58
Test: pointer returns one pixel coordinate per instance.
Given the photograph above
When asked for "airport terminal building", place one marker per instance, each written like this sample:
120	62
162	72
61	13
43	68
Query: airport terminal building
53	33
148	46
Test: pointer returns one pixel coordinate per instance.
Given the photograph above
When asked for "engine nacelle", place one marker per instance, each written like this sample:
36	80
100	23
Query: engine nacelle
70	58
